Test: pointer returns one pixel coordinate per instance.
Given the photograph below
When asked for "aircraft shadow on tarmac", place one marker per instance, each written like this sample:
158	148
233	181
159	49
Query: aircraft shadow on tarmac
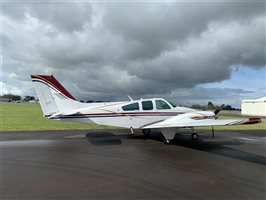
215	146
107	138
218	148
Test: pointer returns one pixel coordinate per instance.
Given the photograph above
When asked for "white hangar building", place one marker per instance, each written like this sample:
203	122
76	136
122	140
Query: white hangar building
254	107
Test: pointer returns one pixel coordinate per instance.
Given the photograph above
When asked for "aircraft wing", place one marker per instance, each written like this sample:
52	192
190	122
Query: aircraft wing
192	120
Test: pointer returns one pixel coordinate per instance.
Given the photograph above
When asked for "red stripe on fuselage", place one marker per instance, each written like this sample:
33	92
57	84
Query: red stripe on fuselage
53	82
129	113
122	113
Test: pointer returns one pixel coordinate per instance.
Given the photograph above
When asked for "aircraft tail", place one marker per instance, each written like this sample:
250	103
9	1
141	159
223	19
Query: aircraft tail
53	97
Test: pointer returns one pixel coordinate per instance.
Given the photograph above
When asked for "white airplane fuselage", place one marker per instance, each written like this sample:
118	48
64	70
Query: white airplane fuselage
156	113
114	114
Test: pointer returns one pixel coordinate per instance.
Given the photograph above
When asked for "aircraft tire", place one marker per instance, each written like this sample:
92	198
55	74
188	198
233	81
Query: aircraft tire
194	136
146	132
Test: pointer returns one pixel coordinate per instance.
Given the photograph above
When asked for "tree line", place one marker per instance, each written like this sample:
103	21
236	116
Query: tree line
209	106
12	97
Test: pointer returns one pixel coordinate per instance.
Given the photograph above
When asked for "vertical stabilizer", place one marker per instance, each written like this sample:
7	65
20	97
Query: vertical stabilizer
53	97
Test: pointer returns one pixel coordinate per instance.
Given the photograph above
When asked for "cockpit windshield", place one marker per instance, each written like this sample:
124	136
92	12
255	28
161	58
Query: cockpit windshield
172	104
161	104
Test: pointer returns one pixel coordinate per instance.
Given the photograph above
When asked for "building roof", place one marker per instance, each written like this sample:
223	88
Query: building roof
261	99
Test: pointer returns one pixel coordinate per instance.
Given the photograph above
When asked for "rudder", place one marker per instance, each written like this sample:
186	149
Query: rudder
53	97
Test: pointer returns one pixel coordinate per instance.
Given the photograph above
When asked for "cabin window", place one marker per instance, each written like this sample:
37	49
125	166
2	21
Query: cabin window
147	105
132	106
160	105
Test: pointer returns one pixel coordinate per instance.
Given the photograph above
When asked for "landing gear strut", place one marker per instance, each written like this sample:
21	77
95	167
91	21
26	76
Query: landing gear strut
146	132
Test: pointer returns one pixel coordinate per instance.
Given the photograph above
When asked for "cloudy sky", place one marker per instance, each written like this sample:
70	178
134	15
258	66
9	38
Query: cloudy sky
186	52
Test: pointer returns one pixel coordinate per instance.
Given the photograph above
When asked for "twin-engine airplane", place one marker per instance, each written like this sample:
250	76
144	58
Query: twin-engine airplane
145	114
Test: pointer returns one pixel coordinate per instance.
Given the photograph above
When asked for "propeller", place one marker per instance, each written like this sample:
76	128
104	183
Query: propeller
218	109
216	113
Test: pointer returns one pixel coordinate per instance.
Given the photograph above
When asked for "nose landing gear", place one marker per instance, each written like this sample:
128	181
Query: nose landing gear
194	136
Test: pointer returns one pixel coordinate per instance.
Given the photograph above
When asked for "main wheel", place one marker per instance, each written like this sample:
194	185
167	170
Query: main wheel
146	132
194	136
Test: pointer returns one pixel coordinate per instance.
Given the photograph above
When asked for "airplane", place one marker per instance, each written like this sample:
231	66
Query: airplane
144	114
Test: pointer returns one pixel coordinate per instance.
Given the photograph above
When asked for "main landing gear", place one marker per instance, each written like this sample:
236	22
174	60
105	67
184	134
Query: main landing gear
146	132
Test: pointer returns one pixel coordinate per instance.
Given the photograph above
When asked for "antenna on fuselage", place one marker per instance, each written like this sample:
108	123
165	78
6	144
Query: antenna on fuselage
130	97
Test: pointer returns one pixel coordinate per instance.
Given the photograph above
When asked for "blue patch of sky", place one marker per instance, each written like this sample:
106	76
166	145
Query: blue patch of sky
245	78
5	79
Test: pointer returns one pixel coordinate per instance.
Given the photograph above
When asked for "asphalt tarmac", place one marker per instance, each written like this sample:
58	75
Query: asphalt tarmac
111	164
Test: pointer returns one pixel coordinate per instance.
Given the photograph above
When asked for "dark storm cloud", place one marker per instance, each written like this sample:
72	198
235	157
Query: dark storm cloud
150	22
165	25
202	96
62	15
143	49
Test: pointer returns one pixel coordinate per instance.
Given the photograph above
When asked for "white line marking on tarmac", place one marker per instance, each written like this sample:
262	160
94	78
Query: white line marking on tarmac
26	142
75	136
253	139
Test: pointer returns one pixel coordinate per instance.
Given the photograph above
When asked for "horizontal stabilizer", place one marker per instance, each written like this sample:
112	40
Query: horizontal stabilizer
67	113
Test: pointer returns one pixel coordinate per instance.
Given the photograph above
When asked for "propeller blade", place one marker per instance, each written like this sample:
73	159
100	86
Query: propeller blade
219	109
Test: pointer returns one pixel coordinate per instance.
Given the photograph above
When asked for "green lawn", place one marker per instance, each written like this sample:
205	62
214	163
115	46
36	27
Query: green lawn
28	117
227	114
260	126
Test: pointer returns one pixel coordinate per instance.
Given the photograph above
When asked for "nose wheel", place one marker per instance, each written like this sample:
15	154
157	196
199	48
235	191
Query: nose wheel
194	136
